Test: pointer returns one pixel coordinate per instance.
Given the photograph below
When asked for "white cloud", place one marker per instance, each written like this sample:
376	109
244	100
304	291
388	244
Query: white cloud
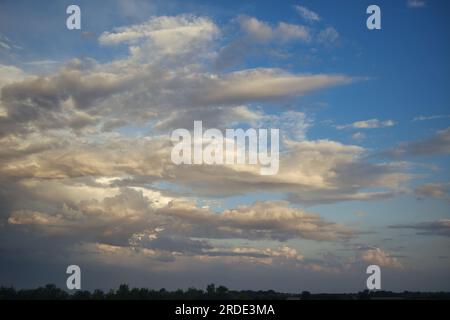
358	136
262	32
165	31
307	14
255	28
289	32
380	258
328	36
265	84
416	3
368	124
293	124
9	74
433	117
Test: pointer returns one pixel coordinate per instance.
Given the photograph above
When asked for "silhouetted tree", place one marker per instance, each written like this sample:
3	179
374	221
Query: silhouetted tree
98	295
306	295
123	292
211	290
81	295
221	292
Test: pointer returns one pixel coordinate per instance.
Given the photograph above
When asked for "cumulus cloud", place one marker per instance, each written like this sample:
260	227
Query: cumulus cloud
288	32
57	101
167	67
146	227
117	212
10	74
262	220
381	258
262	32
310	172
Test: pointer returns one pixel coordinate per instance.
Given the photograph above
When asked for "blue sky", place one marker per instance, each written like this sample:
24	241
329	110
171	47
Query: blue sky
366	154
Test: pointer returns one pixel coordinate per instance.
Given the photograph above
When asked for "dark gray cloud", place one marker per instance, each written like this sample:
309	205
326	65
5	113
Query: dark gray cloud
439	144
433	190
432	228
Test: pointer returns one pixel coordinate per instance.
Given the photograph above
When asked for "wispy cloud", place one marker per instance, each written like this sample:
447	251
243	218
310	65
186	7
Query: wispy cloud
433	190
368	124
307	14
328	36
439	227
416	3
439	144
433	117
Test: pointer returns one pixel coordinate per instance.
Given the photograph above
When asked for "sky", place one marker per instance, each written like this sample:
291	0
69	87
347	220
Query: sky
86	117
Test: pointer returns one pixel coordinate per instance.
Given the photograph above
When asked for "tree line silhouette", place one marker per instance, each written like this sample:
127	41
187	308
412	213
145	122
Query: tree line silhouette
51	292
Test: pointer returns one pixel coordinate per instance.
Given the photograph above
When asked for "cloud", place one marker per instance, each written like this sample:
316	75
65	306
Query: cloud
358	136
9	74
433	228
255	29
256	38
293	124
57	101
368	124
433	117
381	258
310	171
264	84
267	255
416	3
328	36
115	214
170	34
321	172
262	220
85	155
439	144
262	32
156	78
7	45
288	32
433	190
212	117
307	14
